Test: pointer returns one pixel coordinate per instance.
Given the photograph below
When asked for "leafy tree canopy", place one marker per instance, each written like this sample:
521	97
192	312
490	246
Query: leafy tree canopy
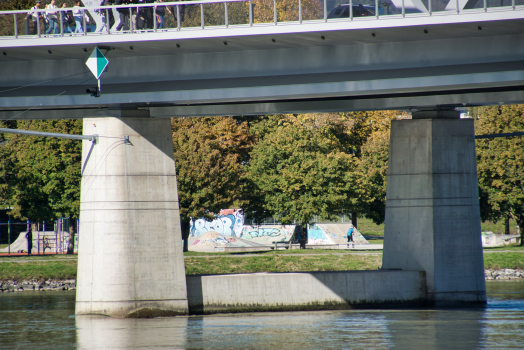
500	162
299	173
209	153
40	176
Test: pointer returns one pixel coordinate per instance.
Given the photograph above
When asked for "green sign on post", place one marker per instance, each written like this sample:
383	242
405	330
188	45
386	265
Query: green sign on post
97	62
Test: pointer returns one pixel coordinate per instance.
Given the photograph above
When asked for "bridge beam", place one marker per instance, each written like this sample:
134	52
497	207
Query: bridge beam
130	260
432	208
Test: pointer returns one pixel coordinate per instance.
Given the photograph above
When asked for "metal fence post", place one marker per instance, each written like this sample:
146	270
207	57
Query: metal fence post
107	21
300	11
56	237
202	15
376	9
351	9
84	22
457	3
38	23
16	27
485	5
250	14
61	24
131	20
513	4
154	19
9	236
325	10
403	9
275	16
430	8
178	17
227	15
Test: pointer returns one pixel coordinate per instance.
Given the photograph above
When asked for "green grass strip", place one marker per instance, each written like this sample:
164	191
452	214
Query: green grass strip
59	270
40	269
498	261
279	263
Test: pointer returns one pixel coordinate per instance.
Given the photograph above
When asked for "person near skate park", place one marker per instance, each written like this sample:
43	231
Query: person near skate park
350	235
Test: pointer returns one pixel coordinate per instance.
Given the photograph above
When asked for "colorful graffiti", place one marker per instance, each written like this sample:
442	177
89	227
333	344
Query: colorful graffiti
228	222
229	225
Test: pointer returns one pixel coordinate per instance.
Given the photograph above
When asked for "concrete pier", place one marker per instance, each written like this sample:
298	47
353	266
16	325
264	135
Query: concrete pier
130	260
432	208
320	290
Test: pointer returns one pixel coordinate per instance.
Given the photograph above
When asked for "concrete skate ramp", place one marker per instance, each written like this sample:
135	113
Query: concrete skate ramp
19	244
333	234
211	240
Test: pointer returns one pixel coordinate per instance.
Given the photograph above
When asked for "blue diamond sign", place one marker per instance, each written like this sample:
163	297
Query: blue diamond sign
97	62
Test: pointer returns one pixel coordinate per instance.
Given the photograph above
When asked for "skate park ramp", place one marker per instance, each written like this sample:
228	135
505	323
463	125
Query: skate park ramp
333	234
19	244
212	240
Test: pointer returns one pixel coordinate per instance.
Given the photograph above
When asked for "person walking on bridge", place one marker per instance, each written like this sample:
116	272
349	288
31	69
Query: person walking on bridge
34	17
350	236
78	15
52	19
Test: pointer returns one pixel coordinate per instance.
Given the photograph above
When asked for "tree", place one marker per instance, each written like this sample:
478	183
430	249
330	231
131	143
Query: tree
209	153
298	173
500	163
287	10
41	175
373	161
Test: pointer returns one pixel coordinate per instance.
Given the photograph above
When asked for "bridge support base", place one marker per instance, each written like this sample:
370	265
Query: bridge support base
432	208
130	261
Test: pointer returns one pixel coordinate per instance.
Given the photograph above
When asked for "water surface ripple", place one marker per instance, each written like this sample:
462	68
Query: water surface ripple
45	320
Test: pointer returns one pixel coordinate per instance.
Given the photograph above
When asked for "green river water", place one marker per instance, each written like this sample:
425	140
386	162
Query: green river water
45	320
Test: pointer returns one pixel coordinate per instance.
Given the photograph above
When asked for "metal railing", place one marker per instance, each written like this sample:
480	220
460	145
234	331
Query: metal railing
202	14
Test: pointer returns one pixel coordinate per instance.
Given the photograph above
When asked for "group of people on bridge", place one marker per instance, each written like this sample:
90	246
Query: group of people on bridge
73	21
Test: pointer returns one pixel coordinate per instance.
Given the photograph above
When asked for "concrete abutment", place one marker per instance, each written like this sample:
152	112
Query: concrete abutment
131	262
432	209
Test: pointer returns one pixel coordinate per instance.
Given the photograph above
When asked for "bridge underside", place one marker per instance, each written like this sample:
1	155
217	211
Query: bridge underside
341	66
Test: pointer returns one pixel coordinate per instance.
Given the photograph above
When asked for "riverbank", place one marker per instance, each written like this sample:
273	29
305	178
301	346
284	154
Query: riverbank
59	272
70	284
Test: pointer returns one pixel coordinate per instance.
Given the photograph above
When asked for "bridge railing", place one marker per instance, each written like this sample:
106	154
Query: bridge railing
203	14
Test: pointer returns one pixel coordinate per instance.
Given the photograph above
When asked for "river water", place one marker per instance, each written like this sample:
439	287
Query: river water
45	320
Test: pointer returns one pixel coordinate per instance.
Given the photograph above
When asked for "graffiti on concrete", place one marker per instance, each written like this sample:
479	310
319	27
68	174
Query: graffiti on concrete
228	222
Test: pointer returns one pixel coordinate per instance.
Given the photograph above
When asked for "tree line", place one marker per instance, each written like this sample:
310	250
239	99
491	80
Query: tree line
292	167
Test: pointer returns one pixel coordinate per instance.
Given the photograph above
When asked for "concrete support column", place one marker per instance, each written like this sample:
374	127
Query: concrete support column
130	261
432	208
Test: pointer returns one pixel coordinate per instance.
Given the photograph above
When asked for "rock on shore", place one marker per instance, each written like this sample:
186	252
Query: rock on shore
504	274
24	286
54	285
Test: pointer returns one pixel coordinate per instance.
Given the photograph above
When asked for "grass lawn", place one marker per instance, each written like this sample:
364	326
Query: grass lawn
39	270
511	247
45	267
497	261
499	226
282	263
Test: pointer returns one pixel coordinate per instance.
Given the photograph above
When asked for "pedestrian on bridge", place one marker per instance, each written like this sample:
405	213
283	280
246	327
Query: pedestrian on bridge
66	18
124	15
160	13
51	18
78	15
34	17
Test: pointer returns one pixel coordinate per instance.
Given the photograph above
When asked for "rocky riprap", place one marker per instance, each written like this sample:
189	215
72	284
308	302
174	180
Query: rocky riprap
24	286
504	274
